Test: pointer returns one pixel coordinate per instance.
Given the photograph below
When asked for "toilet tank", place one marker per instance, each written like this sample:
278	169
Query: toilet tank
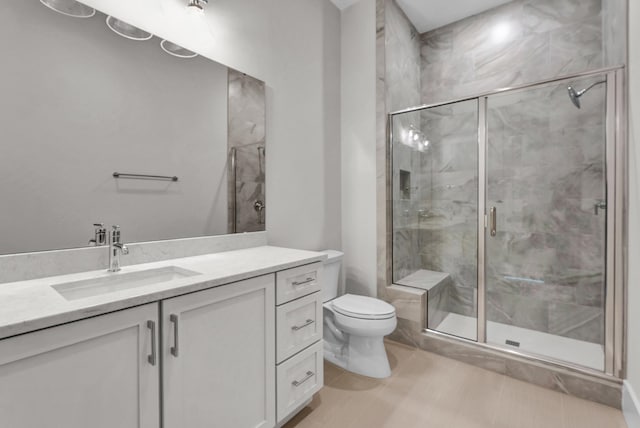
331	274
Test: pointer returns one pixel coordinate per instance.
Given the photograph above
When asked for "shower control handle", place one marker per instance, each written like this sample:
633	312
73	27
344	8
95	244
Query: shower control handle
493	221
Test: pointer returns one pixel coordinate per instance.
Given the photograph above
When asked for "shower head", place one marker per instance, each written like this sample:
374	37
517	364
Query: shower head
575	95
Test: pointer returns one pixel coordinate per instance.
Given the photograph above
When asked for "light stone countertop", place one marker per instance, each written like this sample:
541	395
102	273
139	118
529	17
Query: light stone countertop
32	305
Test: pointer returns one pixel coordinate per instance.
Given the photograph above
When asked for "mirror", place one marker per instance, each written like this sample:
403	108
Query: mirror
133	130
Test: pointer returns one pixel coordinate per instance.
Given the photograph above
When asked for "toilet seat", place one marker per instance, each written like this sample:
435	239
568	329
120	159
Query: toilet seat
363	307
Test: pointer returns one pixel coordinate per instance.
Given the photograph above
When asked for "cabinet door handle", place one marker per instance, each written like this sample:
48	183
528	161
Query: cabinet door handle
297	383
493	220
176	341
152	358
300	327
306	281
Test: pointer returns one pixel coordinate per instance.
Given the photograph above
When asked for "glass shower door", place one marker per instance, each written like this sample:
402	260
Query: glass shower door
435	212
547	217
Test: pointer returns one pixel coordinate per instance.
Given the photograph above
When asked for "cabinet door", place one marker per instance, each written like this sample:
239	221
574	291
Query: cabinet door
219	357
91	373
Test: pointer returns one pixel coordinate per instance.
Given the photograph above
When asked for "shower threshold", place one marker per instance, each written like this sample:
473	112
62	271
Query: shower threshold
575	351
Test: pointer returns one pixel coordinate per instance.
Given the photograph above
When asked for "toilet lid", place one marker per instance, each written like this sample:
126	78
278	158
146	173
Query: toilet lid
363	307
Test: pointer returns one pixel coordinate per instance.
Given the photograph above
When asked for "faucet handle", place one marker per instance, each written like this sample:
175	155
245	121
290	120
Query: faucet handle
115	234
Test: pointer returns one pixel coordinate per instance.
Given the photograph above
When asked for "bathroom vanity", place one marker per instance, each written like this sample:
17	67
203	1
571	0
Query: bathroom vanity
231	339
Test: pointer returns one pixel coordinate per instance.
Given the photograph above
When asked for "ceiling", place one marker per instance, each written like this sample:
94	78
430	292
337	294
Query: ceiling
343	4
428	15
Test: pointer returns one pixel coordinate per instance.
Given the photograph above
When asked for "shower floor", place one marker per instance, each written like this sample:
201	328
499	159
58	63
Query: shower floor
578	352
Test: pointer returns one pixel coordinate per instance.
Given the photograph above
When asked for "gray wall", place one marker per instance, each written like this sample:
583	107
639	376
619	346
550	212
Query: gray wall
80	102
633	301
358	137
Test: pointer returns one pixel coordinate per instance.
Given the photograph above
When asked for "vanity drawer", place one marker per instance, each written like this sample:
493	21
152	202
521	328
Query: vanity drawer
298	379
297	282
298	325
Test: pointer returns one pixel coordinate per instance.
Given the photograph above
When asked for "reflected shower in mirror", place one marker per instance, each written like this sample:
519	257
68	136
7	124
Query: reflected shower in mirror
81	102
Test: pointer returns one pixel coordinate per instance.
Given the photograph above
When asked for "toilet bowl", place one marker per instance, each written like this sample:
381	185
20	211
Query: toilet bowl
355	326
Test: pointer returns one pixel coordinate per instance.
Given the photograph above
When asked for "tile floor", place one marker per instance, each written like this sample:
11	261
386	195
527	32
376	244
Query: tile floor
429	391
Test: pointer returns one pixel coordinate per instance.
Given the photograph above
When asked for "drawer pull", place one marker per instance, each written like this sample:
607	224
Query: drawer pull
300	327
175	350
151	358
306	281
297	383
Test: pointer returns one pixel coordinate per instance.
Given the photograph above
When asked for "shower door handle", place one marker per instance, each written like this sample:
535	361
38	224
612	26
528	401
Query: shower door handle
493	220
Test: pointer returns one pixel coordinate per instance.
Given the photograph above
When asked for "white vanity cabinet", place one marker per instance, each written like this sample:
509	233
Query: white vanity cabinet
219	357
98	373
300	369
246	354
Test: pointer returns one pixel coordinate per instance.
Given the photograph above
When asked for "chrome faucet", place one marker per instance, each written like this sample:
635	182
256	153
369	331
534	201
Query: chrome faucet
115	248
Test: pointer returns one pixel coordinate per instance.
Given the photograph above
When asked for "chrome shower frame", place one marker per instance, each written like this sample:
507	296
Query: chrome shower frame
617	218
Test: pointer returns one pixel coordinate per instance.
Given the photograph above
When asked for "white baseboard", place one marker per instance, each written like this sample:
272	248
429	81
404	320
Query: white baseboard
630	406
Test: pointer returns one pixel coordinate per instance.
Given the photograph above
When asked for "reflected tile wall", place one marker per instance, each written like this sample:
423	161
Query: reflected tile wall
520	42
247	121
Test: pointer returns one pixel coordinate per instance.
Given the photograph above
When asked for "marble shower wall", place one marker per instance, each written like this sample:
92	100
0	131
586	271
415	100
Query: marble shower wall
448	211
247	121
520	42
614	23
403	63
403	59
546	174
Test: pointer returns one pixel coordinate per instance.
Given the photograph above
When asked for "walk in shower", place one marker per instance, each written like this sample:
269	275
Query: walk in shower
506	210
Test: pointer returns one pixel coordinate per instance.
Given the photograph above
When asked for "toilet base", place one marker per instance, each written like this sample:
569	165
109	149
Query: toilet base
365	356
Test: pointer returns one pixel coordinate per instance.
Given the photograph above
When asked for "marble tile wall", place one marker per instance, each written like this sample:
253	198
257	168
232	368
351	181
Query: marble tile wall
402	76
520	42
614	16
247	121
546	173
403	59
398	84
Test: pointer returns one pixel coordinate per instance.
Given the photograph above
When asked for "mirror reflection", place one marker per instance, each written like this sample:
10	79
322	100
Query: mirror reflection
131	130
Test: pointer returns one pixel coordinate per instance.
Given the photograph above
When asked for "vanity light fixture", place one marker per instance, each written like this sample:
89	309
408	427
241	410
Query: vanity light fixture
415	139
128	31
197	6
176	50
71	8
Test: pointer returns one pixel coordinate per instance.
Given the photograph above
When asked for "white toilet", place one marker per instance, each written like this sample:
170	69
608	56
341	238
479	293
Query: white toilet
354	326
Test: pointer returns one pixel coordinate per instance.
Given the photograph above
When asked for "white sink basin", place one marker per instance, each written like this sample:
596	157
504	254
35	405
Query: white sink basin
119	282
